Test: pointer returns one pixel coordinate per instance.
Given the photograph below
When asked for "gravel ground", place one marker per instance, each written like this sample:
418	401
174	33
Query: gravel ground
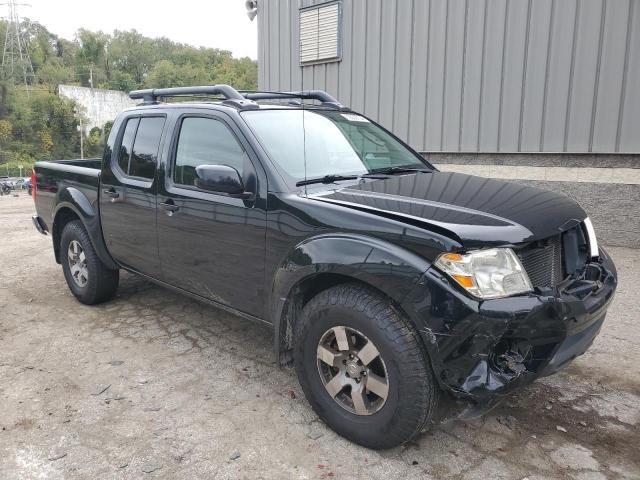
153	384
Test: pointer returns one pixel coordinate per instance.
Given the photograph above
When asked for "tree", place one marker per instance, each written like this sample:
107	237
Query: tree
132	53
6	131
41	125
106	130
39	42
47	143
122	81
94	143
91	58
54	73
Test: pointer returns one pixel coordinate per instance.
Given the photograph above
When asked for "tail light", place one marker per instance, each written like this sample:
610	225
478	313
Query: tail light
34	184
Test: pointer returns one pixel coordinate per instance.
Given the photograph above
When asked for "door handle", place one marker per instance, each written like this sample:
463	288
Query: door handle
170	207
111	192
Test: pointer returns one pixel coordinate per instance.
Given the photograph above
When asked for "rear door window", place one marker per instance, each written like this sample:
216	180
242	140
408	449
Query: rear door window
144	156
127	142
138	153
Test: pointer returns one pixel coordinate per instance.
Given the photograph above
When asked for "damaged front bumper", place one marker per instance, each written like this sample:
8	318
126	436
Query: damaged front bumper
483	350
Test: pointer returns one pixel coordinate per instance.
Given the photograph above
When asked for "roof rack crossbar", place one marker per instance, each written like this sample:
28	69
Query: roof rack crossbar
243	100
151	95
320	95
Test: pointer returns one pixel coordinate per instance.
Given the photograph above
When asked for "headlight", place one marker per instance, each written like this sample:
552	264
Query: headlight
484	274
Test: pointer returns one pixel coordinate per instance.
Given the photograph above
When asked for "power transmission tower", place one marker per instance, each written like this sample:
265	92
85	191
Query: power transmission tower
16	62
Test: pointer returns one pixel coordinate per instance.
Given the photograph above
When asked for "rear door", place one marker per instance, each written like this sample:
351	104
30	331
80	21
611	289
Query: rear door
212	244
128	194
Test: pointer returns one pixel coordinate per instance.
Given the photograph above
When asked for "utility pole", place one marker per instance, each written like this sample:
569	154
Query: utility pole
81	139
15	56
91	75
78	113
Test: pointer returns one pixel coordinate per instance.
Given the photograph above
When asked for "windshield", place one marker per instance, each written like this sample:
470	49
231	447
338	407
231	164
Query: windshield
335	143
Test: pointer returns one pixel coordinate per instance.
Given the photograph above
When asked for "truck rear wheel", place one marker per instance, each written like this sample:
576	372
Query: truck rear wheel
87	277
363	368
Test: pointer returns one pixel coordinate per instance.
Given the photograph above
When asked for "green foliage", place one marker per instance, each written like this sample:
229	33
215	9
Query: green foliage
121	81
106	130
94	143
6	131
54	73
43	127
39	125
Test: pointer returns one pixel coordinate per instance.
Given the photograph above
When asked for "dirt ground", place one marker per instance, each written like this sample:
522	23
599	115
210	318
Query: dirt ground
153	384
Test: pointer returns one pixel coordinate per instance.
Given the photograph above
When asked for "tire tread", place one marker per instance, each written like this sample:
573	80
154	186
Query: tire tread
406	345
103	282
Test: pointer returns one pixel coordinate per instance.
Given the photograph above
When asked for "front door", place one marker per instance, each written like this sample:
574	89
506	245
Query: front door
212	244
128	195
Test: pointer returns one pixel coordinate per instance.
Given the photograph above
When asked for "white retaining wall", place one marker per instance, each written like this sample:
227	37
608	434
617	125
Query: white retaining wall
100	106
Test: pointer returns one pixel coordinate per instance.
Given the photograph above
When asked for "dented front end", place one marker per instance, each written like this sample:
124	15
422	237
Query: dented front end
482	350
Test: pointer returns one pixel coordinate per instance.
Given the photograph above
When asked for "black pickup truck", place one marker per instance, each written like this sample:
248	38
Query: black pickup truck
392	288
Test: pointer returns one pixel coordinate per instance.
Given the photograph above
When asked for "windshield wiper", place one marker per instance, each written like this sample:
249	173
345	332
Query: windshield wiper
375	174
326	179
394	170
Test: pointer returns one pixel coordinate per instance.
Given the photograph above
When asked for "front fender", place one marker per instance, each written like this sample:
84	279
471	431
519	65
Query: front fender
75	200
383	265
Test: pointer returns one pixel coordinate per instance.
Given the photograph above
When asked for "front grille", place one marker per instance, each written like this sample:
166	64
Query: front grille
543	262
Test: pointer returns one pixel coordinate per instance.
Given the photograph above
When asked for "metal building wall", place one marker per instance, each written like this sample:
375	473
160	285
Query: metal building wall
476	75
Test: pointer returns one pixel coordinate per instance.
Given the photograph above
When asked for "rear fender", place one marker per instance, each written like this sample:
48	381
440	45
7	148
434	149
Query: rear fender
73	200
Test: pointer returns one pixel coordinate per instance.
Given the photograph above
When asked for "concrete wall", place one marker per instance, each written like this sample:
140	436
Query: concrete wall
475	75
100	106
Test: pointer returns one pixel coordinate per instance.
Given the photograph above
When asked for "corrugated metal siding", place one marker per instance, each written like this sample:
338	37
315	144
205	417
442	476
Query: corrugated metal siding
476	75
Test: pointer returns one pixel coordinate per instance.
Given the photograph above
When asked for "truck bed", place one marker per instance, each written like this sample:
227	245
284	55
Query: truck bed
57	179
85	163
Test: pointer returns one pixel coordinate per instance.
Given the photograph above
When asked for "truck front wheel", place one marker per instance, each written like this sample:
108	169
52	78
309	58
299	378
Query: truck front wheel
87	277
363	368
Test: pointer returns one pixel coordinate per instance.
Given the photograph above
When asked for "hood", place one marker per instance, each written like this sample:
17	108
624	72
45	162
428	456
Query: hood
472	210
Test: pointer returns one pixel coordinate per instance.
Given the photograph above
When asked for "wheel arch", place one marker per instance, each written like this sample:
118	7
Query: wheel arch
67	211
322	262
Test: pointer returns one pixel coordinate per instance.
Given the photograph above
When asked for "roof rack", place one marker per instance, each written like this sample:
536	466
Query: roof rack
243	100
323	97
232	96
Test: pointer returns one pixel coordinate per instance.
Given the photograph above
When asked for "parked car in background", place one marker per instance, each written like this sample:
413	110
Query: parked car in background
6	186
391	287
27	185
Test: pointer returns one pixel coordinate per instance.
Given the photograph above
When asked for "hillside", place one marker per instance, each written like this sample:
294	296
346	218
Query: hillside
36	124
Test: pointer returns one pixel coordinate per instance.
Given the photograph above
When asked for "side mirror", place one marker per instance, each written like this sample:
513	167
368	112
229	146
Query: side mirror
220	179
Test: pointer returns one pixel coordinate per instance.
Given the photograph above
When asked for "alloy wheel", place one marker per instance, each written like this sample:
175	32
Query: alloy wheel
352	370
78	263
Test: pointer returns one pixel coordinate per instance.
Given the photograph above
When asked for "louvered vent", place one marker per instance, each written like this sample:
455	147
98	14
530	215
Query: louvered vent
319	33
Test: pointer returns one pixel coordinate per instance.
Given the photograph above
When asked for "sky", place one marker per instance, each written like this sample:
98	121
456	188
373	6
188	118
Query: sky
210	23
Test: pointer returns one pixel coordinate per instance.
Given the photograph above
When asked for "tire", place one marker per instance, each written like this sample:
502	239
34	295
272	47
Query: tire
405	393
87	277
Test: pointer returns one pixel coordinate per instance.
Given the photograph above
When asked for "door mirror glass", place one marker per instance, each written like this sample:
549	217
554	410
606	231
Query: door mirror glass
219	179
